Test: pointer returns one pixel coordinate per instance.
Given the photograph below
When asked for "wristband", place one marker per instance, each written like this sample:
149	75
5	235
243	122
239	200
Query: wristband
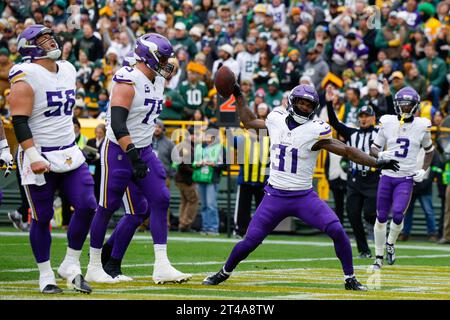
34	155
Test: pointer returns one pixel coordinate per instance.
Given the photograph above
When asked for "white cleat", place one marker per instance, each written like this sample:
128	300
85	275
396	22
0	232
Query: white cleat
168	274
68	270
95	273
123	278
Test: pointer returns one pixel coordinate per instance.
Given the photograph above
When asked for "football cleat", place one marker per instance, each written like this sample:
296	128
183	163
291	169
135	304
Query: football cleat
215	279
16	219
79	284
123	278
168	274
95	273
378	263
68	270
113	268
353	284
51	289
390	253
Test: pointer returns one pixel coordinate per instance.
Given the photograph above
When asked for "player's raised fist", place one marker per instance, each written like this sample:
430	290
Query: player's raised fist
329	94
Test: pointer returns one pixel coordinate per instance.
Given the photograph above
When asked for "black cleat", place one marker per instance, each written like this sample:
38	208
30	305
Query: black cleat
80	285
52	289
390	253
113	267
106	253
353	284
215	279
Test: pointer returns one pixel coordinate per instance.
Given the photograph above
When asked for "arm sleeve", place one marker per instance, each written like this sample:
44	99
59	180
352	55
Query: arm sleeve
390	105
341	128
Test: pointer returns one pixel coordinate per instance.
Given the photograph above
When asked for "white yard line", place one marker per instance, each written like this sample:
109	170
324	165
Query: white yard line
202	263
312	243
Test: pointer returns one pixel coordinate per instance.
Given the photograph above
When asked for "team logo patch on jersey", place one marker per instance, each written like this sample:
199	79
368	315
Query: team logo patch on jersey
119	157
69	161
147	88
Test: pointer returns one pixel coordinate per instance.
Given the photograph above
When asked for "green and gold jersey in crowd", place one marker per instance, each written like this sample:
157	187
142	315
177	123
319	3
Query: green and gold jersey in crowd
194	94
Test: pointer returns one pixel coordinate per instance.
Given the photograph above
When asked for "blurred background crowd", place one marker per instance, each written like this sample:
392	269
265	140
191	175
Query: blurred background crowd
270	45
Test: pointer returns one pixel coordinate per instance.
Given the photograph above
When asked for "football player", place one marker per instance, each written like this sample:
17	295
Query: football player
296	141
41	100
129	166
402	136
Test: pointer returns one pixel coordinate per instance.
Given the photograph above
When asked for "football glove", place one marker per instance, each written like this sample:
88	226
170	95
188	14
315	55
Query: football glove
385	155
388	165
140	168
6	159
419	175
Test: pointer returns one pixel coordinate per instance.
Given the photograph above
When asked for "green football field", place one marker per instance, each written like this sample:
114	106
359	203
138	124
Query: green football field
283	267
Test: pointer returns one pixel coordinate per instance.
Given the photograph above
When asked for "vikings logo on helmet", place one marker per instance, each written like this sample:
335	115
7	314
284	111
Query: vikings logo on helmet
305	92
406	97
155	50
28	48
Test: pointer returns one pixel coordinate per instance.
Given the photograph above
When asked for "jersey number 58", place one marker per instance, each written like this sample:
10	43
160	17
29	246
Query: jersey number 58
59	99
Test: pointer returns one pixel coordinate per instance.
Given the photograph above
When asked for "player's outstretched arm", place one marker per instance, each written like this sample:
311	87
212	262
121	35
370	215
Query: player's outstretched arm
245	114
121	101
354	154
21	100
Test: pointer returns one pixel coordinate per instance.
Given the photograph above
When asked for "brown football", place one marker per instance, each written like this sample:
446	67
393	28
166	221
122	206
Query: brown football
224	81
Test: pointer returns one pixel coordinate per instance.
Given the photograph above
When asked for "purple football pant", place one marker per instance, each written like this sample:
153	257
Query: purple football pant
393	193
150	192
305	205
78	186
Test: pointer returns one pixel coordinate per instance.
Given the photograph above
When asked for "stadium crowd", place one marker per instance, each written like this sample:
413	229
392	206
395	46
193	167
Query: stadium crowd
271	46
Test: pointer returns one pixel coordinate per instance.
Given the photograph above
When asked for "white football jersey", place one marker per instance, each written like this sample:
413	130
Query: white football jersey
279	13
292	161
404	141
54	98
247	64
145	108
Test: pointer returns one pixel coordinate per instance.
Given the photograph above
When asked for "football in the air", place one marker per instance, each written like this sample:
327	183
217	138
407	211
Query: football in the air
224	81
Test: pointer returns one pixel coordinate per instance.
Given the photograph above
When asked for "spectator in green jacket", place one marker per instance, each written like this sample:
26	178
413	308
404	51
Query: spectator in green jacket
183	40
415	80
397	80
173	105
274	95
391	37
194	93
434	70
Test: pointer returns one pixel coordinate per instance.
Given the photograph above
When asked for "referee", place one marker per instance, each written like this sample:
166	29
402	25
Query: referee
362	181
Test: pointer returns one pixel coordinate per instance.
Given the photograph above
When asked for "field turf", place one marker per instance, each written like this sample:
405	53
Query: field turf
283	267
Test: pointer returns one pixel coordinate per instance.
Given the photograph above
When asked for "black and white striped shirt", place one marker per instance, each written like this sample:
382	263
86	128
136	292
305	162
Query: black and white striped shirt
354	137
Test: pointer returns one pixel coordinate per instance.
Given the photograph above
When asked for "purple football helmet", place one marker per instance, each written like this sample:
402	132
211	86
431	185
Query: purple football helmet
305	92
155	50
30	50
129	60
406	97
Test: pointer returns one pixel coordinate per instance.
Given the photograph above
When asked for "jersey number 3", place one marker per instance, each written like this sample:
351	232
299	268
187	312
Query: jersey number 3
58	99
404	144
